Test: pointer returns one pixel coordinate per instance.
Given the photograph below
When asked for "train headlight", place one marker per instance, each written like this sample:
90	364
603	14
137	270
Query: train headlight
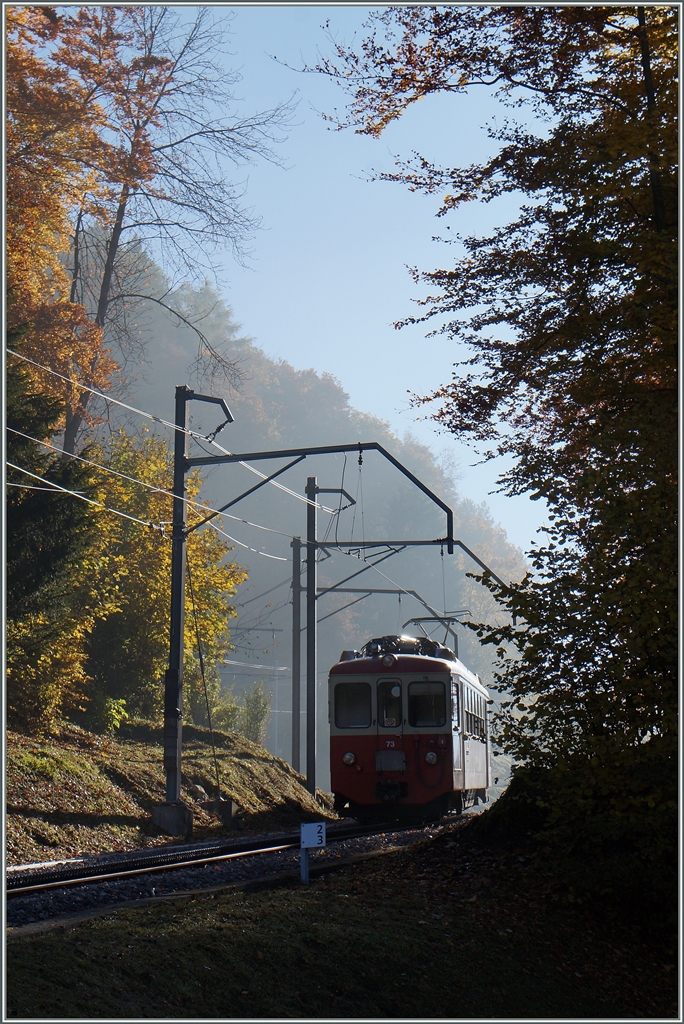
349	758
431	757
388	660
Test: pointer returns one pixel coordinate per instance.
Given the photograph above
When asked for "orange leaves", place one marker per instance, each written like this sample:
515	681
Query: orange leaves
54	148
96	49
52	140
62	335
119	133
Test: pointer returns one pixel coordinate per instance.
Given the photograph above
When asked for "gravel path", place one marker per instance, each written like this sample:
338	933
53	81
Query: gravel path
76	899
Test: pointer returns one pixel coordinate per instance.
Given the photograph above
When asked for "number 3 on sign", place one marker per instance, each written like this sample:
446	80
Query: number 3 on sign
312	835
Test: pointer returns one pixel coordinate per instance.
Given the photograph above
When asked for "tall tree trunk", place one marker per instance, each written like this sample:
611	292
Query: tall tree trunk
76	414
656	184
112	250
77	260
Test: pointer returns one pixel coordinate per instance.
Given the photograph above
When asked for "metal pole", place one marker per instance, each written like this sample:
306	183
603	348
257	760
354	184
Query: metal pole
311	586
173	683
275	692
304	865
296	649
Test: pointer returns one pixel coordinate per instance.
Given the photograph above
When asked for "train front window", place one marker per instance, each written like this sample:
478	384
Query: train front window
389	703
352	705
426	704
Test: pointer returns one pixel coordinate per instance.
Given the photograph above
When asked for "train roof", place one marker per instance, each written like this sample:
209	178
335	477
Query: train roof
392	654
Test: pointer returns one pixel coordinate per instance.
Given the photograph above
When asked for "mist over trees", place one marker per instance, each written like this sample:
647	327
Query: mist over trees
569	318
122	140
279	407
122	143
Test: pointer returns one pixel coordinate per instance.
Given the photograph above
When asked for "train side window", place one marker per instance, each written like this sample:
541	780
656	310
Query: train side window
474	713
353	705
426	704
389	703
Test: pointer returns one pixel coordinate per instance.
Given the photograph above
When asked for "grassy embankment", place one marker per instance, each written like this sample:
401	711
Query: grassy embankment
76	792
79	793
449	929
459	927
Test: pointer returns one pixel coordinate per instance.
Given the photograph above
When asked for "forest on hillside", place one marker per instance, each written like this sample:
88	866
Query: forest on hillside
98	324
279	407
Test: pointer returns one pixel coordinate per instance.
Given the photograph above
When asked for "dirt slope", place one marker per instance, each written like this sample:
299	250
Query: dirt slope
79	793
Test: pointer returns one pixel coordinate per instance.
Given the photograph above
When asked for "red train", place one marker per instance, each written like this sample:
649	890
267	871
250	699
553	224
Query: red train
409	731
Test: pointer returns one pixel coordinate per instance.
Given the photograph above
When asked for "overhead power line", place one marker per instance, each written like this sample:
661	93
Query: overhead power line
27	487
161	490
264	554
91	501
152	487
167	423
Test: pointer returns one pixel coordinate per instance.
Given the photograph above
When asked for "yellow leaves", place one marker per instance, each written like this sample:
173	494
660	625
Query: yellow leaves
53	148
140	647
39	687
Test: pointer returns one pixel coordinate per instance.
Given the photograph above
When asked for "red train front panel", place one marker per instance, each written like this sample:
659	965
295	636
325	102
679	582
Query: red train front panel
391	731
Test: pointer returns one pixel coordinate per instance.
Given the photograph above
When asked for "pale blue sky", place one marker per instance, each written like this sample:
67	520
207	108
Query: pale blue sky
328	275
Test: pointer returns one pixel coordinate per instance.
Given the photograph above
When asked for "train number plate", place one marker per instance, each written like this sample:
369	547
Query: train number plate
390	761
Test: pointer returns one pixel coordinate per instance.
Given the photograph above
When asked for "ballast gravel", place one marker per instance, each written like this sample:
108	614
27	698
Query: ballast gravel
76	899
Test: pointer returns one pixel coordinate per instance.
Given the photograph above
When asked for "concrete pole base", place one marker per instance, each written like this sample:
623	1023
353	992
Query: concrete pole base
225	810
173	818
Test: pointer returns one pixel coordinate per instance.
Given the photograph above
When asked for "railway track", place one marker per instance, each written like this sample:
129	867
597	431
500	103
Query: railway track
41	894
30	878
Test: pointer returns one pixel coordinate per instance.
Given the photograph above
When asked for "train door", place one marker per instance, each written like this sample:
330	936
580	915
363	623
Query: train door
390	757
474	739
456	733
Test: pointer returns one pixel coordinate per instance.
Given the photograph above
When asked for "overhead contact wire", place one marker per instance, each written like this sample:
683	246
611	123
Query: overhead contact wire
372	566
167	423
264	554
194	505
91	501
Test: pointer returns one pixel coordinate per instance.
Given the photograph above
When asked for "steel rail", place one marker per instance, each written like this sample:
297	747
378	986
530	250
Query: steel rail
171	860
194	862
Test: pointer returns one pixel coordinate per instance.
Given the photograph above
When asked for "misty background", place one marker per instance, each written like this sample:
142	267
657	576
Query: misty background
307	319
276	407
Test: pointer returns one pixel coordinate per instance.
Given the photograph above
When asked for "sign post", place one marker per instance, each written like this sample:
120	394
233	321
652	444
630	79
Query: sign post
311	836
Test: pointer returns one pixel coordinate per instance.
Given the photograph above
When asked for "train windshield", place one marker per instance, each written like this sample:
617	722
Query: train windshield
426	704
352	705
389	703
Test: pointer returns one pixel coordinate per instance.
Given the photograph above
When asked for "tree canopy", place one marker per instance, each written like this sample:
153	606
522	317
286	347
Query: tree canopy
569	313
88	582
58	582
127	650
122	131
122	137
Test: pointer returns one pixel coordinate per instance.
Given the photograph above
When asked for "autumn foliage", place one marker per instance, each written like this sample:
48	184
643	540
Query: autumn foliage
121	135
54	148
111	142
126	651
568	316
